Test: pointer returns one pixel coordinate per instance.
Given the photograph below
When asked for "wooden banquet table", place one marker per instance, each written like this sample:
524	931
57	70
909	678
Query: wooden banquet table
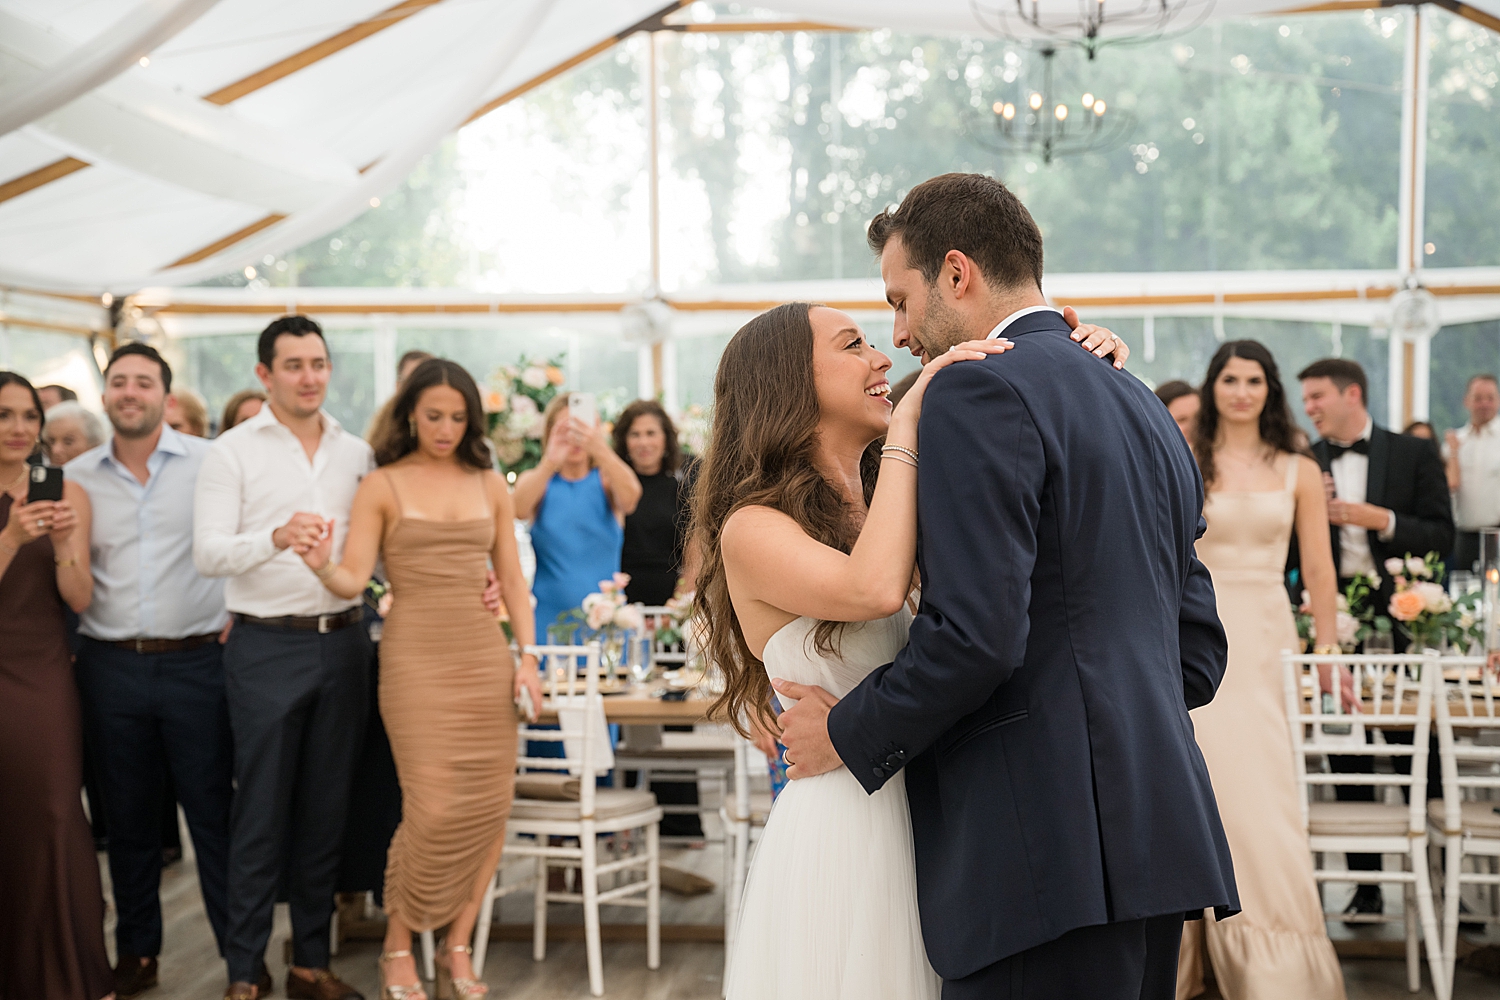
634	709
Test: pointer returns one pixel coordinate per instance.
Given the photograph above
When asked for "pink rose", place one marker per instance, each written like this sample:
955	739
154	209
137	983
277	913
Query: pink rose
1394	566
1407	605
1436	598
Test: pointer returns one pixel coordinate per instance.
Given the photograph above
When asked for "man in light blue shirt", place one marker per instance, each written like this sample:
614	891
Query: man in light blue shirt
151	666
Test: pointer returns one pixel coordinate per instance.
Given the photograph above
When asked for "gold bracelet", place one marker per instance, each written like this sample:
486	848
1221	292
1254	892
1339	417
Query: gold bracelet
1327	649
327	571
897	447
898	458
64	562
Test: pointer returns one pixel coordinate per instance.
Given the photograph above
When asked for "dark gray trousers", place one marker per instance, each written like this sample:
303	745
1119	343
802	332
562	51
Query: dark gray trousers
297	706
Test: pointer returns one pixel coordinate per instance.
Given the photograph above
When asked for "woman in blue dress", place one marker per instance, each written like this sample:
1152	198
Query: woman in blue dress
577	499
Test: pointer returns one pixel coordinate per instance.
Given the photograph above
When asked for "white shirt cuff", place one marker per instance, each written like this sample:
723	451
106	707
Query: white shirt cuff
1389	531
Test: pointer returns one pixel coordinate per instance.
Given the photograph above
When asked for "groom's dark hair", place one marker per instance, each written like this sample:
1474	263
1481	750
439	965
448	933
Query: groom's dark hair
970	213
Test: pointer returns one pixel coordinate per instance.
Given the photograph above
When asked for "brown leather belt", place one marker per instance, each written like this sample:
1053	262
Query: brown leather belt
150	646
321	624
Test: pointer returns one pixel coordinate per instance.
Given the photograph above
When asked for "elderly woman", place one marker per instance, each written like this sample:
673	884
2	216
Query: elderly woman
70	431
187	413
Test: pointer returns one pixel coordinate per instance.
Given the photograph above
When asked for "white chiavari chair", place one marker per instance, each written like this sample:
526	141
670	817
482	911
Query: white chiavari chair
631	877
1393	692
707	753
1465	821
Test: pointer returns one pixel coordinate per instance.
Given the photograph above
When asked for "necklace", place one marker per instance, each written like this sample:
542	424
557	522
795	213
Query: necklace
17	481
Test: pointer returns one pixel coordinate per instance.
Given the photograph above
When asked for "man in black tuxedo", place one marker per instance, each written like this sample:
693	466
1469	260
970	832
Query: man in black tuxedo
1388	497
1063	818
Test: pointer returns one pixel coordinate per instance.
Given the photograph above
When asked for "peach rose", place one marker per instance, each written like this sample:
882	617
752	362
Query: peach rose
1407	605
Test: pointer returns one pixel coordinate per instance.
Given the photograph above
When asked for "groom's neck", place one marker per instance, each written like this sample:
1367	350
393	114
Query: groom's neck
1003	303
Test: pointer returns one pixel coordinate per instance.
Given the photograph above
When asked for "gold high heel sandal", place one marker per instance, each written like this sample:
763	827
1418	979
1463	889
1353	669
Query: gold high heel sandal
449	988
390	992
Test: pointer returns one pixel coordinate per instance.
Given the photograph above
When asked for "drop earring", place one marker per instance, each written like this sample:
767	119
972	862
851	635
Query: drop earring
411	423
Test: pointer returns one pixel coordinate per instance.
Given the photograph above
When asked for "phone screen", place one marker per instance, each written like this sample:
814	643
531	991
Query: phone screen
46	484
582	406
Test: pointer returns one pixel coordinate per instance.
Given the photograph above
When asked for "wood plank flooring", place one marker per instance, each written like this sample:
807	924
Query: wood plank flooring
192	970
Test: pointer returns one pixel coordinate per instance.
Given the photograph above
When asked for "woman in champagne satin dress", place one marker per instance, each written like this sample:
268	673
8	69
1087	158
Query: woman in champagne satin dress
439	514
1257	490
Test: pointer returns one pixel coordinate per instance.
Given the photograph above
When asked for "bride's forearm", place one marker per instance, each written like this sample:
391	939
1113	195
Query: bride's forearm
885	554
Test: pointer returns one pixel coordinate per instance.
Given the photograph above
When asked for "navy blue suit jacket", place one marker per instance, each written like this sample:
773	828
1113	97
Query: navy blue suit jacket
1066	627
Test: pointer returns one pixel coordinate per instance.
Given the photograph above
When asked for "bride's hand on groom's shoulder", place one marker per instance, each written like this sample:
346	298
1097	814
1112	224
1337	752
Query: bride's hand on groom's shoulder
1096	339
804	730
910	407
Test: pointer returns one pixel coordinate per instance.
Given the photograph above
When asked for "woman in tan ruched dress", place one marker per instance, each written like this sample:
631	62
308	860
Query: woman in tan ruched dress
1277	948
440	515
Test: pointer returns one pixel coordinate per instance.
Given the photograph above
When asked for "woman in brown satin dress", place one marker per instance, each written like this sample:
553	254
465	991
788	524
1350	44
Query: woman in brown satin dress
51	905
439	514
1257	488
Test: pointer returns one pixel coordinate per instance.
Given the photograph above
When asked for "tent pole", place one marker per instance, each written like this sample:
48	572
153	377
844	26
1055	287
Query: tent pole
1407	400
653	115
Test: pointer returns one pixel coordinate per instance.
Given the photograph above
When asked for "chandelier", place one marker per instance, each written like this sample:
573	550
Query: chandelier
1043	123
1086	22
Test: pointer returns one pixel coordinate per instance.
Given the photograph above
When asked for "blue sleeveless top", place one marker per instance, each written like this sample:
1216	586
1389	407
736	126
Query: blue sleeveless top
577	542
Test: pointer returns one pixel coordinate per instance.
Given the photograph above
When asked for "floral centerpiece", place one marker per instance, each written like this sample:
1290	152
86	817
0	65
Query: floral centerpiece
670	628
518	395
692	430
603	615
1422	608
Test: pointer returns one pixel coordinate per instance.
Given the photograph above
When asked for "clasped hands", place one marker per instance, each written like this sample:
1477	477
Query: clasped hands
311	537
1361	515
804	730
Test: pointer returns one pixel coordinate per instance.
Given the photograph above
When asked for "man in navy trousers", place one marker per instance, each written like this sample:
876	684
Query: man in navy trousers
1063	818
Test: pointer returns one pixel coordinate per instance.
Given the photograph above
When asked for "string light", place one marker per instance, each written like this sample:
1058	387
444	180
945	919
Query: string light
1061	111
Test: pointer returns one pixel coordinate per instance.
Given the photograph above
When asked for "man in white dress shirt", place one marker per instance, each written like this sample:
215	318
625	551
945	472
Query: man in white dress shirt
1389	497
297	661
150	669
1473	456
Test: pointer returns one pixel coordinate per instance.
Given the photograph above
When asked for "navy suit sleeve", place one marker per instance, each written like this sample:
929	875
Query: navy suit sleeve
1200	635
980	484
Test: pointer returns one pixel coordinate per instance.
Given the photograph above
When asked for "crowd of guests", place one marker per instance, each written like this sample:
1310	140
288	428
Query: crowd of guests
1283	511
222	657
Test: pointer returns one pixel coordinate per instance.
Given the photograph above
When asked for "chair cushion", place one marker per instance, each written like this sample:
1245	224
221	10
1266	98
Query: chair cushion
551	785
609	803
1356	819
1479	819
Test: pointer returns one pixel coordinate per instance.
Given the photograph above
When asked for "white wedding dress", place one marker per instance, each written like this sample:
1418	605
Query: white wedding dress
830	905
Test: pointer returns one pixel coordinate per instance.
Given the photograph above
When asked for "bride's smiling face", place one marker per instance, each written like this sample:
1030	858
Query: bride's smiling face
850	375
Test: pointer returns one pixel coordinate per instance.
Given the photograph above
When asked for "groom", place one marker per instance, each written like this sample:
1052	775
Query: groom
1063	818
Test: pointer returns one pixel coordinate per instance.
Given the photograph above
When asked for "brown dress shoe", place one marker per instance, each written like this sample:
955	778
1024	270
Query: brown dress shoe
324	985
240	991
134	977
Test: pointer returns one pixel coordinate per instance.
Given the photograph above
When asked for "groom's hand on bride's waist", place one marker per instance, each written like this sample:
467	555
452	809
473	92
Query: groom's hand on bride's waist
804	730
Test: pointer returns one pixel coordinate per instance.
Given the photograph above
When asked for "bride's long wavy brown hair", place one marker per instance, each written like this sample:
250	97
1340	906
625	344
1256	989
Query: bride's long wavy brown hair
760	451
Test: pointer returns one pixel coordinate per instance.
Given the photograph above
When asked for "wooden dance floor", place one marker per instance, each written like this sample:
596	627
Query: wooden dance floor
192	970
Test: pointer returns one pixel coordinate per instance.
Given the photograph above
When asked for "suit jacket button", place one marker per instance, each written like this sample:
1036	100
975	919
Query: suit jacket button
879	773
893	762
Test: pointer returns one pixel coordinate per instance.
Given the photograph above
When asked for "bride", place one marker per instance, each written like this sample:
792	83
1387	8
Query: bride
809	529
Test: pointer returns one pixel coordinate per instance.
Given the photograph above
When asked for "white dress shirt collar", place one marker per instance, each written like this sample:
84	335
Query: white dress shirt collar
1001	326
1365	435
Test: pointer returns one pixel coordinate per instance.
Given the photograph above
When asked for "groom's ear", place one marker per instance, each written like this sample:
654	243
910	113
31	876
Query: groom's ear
959	275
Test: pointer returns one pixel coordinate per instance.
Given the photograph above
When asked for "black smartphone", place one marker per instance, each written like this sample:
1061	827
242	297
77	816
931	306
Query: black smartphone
46	484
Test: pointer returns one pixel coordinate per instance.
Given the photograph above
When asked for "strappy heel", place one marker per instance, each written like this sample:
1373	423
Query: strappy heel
391	992
449	988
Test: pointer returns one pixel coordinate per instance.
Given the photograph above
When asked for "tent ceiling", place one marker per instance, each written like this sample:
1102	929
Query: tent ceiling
263	124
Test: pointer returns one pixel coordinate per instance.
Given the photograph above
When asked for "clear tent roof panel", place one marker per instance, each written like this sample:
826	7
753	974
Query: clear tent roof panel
293	147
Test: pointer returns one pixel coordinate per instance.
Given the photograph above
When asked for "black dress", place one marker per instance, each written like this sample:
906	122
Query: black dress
51	905
654	533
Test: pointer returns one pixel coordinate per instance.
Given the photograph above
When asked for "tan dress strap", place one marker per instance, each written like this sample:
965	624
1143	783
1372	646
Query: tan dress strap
1291	473
390	481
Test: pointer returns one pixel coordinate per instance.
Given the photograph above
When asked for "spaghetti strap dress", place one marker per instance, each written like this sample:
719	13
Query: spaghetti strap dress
445	697
1277	947
51	903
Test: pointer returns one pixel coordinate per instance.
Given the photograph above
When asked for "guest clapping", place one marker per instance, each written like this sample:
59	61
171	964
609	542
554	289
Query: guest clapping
52	917
71	431
655	552
150	668
577	499
437	512
241	407
297	662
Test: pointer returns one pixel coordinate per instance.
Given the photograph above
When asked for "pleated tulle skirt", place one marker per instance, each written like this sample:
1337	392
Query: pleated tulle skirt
830	905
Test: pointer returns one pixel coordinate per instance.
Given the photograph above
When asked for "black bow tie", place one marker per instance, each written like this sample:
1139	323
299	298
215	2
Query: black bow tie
1362	446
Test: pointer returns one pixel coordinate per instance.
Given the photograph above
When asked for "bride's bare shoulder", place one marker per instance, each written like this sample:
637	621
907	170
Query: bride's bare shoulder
750	525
